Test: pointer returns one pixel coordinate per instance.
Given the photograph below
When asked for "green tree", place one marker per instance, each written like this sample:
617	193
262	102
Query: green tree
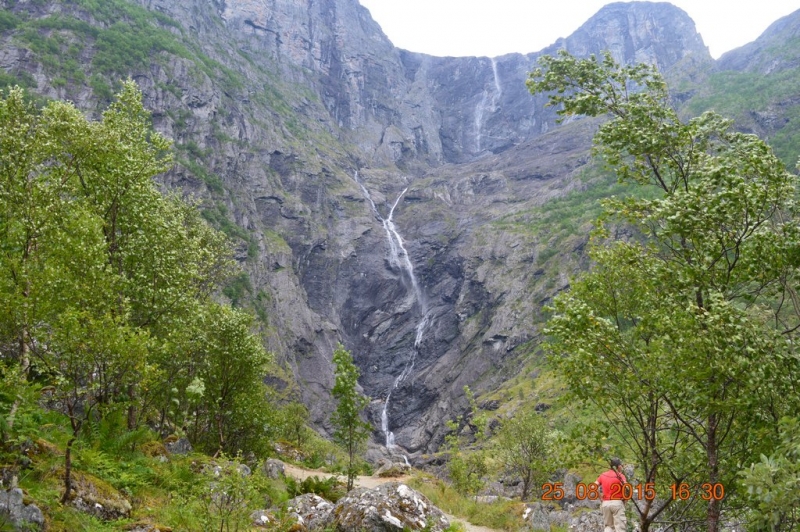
773	483
90	356
51	255
523	444
164	258
681	335
225	495
231	414
351	431
65	315
107	282
293	419
467	467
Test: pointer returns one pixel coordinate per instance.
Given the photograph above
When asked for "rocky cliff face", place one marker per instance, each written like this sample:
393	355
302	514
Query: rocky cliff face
340	163
774	51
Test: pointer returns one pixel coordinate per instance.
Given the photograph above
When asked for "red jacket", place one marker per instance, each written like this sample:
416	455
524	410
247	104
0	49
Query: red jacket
609	479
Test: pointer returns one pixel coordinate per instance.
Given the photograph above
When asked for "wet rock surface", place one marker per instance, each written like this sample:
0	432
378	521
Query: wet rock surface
388	469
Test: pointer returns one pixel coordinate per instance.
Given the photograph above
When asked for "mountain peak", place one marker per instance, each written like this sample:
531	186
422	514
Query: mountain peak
637	32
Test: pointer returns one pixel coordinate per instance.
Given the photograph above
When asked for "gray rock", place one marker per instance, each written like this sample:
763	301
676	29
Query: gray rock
179	446
273	469
559	518
536	517
569	483
587	522
263	518
543	517
22	516
93	496
388	508
309	510
392	469
490	405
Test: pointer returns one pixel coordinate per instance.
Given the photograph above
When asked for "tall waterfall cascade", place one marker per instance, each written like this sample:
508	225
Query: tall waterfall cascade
488	102
398	257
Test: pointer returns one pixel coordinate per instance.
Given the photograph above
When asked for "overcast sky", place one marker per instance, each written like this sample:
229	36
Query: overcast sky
496	27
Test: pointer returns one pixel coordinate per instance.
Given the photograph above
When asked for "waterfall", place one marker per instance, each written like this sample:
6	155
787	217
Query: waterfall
479	118
497	88
483	105
398	257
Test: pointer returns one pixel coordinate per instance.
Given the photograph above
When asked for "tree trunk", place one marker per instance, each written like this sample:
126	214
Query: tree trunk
68	471
713	473
526	485
131	408
76	429
25	364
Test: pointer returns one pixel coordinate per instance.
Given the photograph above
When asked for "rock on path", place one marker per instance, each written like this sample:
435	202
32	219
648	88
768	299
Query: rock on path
301	473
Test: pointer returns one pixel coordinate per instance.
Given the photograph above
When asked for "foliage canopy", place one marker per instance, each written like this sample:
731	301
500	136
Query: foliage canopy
351	431
107	283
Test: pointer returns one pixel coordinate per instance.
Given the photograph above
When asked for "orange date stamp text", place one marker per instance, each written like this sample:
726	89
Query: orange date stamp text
554	491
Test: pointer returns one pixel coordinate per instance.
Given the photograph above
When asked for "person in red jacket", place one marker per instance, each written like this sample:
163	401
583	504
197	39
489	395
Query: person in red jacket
613	505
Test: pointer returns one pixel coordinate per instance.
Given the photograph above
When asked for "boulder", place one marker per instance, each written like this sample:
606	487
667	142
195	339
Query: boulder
392	469
559	519
539	516
96	497
587	522
226	468
491	405
22	516
154	449
387	508
9	475
263	519
310	511
178	445
273	469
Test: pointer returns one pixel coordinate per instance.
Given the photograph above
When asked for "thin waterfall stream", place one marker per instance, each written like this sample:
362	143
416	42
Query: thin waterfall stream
484	105
398	257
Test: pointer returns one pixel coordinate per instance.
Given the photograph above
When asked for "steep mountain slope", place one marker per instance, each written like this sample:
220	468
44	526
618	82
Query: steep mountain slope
757	85
404	204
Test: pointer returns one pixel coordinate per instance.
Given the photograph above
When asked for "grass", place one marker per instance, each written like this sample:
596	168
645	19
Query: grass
502	515
173	492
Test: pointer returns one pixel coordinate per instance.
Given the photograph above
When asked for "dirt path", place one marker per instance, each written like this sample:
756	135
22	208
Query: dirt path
301	473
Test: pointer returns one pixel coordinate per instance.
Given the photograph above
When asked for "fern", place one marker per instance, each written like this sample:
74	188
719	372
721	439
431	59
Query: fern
328	488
